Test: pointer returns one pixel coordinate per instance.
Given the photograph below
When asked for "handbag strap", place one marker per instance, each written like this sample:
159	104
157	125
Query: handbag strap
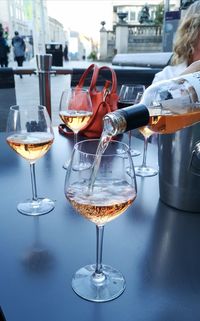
95	69
96	74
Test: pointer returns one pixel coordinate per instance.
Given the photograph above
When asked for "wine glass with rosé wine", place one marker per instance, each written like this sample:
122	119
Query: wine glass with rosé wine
145	170
100	193
75	111
30	134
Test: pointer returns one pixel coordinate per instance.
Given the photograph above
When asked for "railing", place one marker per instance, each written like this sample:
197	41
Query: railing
33	71
144	30
144	38
148	35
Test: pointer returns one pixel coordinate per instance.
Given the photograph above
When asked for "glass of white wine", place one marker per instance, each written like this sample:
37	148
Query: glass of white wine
30	134
100	193
144	170
75	110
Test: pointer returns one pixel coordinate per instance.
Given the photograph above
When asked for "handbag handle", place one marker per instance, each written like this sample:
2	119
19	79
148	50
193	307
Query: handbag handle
86	72
96	74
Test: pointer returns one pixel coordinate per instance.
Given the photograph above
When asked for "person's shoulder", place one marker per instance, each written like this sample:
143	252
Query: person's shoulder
170	71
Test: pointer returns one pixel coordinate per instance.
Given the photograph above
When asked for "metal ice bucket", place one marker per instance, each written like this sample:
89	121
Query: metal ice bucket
179	169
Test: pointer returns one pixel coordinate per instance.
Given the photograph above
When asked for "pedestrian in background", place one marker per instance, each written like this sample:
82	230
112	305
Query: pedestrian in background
4	51
186	48
19	48
65	53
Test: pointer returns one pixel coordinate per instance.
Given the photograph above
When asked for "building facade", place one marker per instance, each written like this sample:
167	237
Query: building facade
30	19
133	8
129	35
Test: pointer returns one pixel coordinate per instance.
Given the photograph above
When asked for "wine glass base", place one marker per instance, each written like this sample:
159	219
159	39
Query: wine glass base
66	165
35	208
110	286
134	152
145	171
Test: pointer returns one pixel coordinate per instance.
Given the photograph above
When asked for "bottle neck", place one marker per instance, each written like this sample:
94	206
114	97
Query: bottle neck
136	116
126	119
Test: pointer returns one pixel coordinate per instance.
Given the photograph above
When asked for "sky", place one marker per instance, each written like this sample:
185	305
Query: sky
83	16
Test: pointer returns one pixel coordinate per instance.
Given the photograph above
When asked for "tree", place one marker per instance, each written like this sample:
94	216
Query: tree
159	14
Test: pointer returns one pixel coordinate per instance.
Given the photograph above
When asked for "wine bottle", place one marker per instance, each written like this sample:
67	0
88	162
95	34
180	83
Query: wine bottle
166	107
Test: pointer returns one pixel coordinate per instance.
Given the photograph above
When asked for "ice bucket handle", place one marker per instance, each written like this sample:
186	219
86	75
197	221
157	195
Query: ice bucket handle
194	165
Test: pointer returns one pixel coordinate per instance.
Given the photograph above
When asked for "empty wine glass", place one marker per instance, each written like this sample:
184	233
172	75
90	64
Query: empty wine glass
144	170
30	134
128	96
100	195
75	110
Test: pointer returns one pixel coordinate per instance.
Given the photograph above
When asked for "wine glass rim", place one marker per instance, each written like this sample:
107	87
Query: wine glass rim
75	89
16	107
122	152
133	85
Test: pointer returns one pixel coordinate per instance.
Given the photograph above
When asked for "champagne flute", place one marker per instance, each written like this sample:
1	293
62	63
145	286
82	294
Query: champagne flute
75	111
144	170
128	96
100	199
30	134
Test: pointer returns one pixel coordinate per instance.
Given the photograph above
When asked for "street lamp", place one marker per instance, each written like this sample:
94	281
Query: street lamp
166	5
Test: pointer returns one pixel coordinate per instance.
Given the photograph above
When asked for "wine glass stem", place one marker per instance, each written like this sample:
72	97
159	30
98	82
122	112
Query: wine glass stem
75	138
145	152
99	249
33	182
129	139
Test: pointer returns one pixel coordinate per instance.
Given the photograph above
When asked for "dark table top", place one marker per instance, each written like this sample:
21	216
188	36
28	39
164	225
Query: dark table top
156	248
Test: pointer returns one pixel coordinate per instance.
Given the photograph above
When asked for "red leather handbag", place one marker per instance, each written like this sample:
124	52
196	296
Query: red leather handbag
103	101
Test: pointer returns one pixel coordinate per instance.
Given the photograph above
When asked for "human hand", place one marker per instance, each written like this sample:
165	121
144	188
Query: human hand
195	66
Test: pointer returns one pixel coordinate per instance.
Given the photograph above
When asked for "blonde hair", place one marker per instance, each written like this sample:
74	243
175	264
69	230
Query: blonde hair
187	35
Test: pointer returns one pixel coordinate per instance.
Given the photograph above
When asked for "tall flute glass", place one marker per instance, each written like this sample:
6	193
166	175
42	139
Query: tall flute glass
100	199
30	134
129	95
144	170
75	111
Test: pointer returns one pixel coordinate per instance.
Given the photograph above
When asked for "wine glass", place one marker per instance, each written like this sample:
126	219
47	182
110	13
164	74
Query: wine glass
30	134
75	110
144	170
129	95
100	193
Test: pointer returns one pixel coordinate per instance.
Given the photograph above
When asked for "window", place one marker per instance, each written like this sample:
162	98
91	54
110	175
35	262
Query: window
132	15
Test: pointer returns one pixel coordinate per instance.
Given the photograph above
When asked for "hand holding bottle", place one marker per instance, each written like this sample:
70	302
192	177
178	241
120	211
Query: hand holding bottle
194	67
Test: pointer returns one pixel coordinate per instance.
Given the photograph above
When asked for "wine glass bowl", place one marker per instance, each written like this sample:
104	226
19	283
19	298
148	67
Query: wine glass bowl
100	195
75	110
146	131
128	94
30	135
143	170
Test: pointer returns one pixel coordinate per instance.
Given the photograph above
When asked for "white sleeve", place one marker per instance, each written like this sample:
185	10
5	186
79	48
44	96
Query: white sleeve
169	72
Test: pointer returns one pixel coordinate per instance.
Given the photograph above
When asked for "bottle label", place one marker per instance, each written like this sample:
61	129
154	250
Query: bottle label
176	105
194	81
